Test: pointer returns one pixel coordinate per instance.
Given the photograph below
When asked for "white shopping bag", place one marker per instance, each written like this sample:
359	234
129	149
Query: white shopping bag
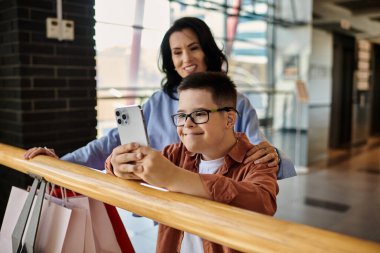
52	228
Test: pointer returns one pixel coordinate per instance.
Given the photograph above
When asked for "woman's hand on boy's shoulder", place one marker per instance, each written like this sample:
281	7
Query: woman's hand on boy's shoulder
263	153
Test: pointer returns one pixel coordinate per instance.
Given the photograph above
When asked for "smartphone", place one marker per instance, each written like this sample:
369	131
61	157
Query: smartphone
131	125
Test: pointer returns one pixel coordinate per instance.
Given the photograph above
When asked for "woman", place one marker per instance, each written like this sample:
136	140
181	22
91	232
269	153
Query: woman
187	47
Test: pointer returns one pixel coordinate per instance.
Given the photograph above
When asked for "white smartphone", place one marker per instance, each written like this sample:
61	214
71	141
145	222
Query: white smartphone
131	125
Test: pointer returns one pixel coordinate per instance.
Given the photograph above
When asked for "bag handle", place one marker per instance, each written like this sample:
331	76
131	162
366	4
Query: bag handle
31	233
23	218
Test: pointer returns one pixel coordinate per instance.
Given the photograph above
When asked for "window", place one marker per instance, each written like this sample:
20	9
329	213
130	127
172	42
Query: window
129	33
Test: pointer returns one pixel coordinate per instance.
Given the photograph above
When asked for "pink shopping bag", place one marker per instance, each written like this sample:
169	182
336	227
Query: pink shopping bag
100	227
56	222
118	228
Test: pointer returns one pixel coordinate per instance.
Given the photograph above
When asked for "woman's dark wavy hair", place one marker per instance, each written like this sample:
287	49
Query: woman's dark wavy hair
214	57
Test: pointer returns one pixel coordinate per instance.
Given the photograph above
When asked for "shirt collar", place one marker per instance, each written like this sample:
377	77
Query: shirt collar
240	149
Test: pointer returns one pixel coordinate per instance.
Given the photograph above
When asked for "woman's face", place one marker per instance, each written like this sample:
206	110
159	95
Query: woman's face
187	54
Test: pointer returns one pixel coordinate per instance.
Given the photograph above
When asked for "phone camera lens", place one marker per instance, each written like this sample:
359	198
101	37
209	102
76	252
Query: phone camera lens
119	121
117	113
124	116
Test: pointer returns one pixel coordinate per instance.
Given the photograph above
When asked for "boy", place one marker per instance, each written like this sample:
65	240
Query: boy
208	162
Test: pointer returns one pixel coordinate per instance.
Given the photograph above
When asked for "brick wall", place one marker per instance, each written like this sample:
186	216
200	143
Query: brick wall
48	94
47	87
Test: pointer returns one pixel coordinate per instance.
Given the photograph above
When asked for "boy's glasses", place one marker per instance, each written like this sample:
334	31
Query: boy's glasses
198	117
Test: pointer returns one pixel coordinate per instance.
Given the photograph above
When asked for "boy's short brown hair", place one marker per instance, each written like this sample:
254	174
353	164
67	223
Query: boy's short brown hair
221	87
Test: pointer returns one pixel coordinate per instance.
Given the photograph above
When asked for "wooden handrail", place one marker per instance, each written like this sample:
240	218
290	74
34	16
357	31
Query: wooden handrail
234	227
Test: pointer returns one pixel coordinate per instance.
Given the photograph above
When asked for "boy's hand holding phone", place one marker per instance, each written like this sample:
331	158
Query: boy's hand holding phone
123	160
132	161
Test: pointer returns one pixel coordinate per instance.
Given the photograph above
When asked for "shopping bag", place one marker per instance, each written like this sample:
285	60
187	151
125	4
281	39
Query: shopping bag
15	204
78	224
99	226
51	226
61	229
98	230
21	229
75	235
76	231
54	223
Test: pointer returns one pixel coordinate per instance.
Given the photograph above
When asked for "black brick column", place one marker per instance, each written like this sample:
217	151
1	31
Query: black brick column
47	87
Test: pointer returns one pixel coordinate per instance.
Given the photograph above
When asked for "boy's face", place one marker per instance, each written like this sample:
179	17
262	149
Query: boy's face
207	137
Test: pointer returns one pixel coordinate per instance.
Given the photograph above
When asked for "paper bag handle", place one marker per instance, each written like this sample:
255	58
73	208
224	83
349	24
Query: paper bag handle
31	233
23	218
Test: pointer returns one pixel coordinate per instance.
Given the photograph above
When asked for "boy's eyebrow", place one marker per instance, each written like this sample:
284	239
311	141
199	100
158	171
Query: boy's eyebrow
195	109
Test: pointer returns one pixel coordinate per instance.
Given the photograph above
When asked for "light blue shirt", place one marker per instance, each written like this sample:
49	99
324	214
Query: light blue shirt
162	132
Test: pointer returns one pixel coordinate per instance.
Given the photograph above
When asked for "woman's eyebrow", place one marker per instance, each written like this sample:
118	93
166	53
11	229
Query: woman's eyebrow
193	44
189	45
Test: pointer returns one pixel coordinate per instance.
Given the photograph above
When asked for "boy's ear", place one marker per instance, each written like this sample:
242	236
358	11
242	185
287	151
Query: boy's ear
231	117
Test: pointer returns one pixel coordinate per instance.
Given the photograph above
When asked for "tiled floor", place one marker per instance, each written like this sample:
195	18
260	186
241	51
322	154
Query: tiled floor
344	198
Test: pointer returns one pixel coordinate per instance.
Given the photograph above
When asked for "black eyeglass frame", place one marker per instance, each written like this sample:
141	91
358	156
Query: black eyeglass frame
226	109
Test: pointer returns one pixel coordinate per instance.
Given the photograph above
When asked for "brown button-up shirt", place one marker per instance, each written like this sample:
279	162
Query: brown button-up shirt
249	186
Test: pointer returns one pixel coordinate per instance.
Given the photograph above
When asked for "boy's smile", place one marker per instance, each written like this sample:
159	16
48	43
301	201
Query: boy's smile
186	134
